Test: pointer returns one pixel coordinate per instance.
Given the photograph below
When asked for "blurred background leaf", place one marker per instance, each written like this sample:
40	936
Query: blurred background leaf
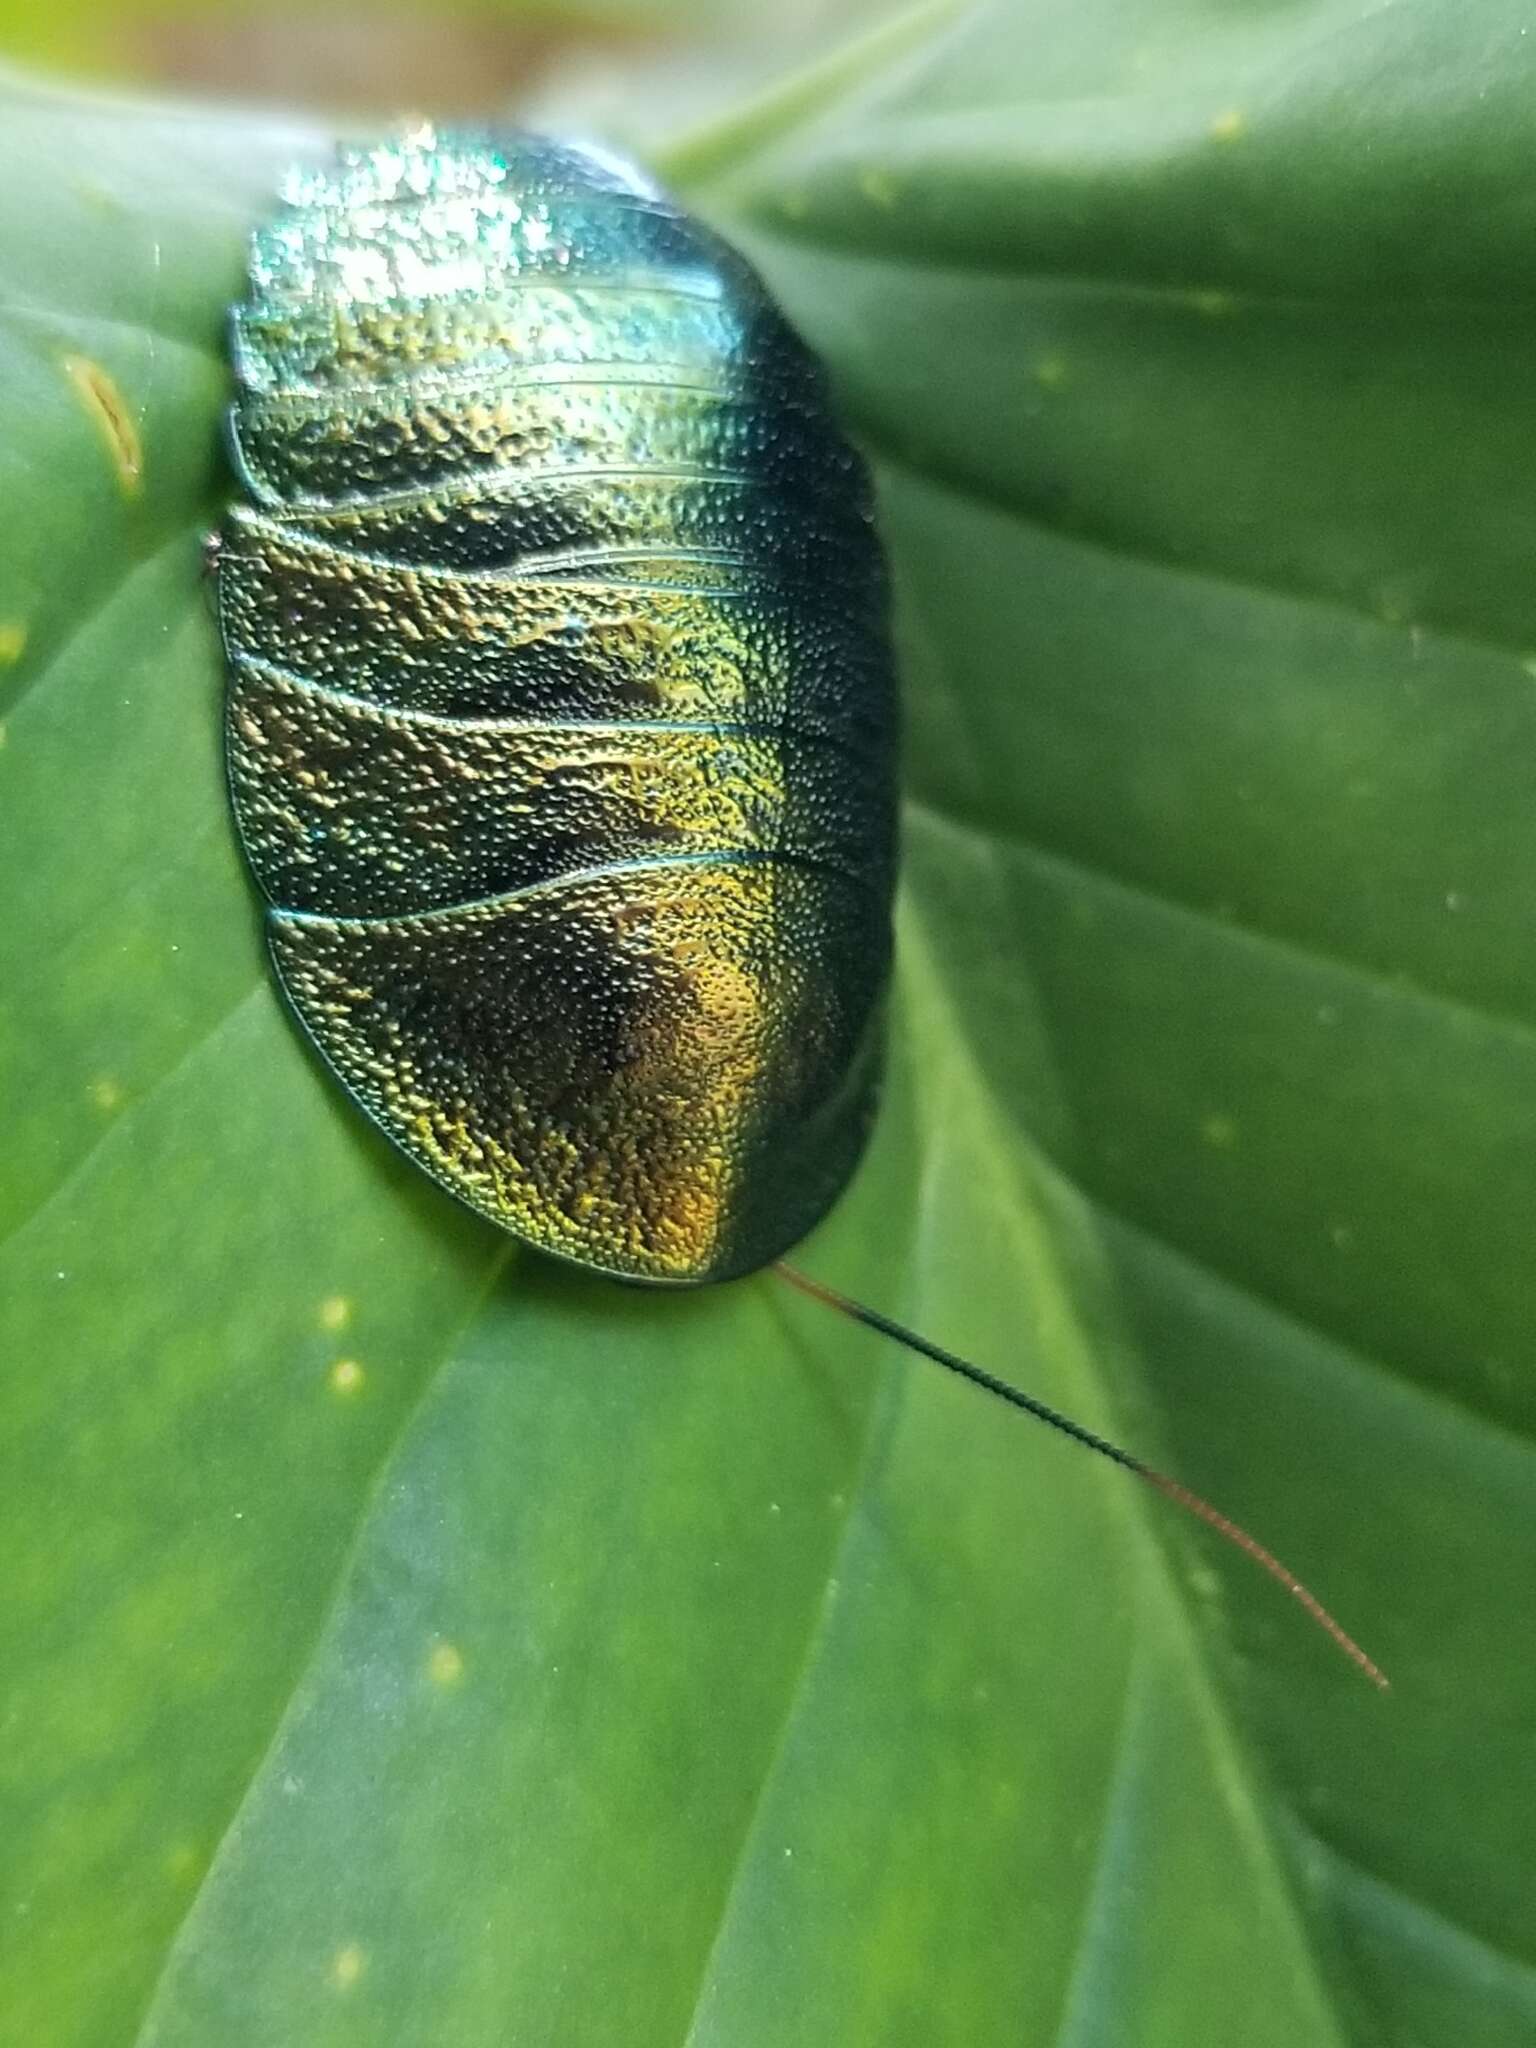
641	67
405	1642
337	53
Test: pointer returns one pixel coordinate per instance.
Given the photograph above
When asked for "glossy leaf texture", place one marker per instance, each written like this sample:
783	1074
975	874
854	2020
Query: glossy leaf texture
404	1641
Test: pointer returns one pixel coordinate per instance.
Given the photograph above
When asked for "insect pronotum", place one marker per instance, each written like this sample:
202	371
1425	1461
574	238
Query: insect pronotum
561	717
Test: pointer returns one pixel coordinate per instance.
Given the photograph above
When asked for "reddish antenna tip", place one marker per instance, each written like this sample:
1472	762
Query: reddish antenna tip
1171	1489
1250	1546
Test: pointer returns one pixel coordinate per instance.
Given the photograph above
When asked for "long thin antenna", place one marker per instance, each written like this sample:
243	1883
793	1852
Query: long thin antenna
1170	1489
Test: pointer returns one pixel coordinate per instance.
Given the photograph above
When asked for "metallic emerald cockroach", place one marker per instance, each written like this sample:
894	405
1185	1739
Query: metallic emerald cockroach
561	714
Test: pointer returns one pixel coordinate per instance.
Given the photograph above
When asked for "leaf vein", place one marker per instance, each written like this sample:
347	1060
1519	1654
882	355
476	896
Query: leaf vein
293	1699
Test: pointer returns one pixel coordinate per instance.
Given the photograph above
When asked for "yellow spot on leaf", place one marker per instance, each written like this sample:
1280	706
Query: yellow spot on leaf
1219	1131
879	188
1228	127
1051	371
445	1666
335	1312
13	639
106	1093
183	1862
794	206
1214	305
347	1966
347	1376
109	409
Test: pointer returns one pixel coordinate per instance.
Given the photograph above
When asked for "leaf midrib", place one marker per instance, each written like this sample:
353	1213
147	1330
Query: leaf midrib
1150	1538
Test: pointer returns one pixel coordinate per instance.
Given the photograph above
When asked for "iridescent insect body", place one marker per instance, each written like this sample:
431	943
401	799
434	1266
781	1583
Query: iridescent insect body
561	715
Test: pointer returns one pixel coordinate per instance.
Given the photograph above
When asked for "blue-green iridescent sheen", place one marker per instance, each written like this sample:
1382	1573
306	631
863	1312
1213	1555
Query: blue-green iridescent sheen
561	710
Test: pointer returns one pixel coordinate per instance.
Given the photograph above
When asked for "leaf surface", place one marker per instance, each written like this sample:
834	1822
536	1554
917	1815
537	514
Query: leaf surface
407	1642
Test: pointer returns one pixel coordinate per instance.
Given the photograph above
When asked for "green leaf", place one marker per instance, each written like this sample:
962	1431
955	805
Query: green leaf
406	1642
